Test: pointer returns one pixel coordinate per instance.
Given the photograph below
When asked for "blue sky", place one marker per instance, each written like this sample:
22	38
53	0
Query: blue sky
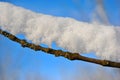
24	63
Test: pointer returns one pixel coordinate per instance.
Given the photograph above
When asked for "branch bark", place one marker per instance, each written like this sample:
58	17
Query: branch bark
57	53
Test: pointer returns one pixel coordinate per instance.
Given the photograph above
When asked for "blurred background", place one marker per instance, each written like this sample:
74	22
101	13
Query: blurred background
18	63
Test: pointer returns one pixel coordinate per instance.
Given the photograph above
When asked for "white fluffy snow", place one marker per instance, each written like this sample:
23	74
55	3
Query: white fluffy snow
68	33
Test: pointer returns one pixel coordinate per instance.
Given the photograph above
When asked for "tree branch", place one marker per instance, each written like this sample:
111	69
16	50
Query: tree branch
68	55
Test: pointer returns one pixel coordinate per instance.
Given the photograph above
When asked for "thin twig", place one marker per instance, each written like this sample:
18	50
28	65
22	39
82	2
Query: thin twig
68	55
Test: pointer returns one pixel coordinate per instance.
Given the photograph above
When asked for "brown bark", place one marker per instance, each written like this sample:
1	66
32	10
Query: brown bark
68	55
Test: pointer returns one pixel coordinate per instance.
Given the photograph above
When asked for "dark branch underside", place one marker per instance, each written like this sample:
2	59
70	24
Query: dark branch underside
68	55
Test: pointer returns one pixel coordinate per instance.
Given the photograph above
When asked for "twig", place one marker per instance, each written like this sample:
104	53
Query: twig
68	55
